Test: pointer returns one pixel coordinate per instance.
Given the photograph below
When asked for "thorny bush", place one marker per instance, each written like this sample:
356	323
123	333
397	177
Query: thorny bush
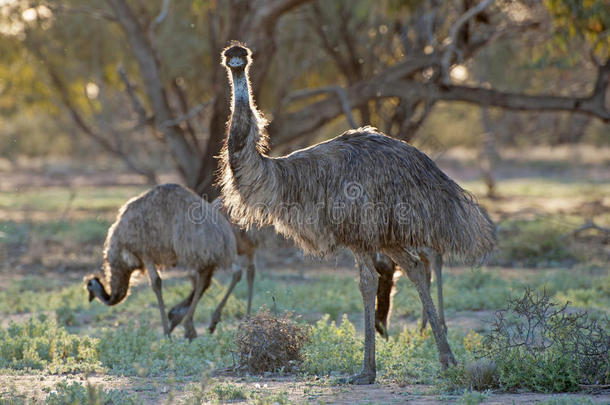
540	345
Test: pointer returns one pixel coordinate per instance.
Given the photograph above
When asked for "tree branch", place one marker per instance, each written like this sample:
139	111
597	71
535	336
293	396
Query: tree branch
268	12
143	117
159	19
187	157
392	83
455	29
190	114
336	90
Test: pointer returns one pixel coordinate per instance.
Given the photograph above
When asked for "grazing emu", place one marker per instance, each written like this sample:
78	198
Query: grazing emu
362	190
248	242
166	226
386	288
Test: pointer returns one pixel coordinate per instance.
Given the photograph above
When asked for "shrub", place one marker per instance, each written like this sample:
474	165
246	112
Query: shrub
539	345
332	348
538	242
137	350
77	394
41	344
267	342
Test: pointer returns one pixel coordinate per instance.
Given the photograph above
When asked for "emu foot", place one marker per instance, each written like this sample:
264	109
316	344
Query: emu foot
189	332
364	378
214	321
447	360
176	315
381	328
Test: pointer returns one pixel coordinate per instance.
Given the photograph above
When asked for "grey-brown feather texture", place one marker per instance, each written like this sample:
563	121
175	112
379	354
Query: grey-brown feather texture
362	190
171	226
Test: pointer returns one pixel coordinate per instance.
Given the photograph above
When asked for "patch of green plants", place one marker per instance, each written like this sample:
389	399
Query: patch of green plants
472	397
138	350
41	344
567	401
409	357
78	394
226	392
541	242
81	231
538	345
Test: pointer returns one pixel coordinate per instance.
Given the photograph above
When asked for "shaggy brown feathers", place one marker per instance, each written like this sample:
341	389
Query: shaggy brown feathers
363	190
170	225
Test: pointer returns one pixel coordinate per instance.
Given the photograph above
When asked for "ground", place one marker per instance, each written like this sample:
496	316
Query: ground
52	226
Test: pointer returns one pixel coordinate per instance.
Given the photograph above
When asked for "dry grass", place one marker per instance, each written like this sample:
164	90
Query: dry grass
267	343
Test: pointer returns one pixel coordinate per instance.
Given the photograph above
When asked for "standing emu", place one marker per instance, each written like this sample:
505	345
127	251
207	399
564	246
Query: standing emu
362	190
166	226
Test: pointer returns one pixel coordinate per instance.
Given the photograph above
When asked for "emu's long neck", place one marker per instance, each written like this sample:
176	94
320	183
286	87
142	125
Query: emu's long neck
101	293
246	143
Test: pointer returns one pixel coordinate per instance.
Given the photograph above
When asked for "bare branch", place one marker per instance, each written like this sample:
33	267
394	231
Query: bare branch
143	117
455	29
186	156
268	13
159	19
91	12
192	113
336	90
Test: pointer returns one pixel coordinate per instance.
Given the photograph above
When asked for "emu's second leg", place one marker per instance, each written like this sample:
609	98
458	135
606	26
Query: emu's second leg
177	313
203	282
368	288
385	268
157	284
216	314
437	265
250	272
416	272
424	316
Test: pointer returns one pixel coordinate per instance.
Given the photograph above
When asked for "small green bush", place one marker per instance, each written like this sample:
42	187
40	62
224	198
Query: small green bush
226	392
535	243
42	345
409	357
538	345
138	350
332	348
77	394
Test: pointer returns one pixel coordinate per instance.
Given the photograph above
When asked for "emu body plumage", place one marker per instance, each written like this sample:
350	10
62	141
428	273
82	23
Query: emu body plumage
362	190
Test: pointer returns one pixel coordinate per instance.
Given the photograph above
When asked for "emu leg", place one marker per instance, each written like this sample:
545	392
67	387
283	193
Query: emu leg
417	274
424	317
250	272
385	287
216	314
157	284
437	265
368	288
177	313
203	282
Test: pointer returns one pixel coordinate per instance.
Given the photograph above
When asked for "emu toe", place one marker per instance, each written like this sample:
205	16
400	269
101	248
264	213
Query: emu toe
176	315
189	332
214	321
362	379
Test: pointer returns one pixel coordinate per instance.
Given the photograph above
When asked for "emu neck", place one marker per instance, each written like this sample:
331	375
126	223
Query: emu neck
244	131
241	88
101	293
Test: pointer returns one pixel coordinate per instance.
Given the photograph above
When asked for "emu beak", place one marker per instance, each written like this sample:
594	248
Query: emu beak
236	62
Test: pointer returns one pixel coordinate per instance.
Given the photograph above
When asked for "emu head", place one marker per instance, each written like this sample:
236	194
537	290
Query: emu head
95	288
236	56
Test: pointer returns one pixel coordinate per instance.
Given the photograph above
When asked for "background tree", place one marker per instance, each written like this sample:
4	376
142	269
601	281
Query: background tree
142	80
